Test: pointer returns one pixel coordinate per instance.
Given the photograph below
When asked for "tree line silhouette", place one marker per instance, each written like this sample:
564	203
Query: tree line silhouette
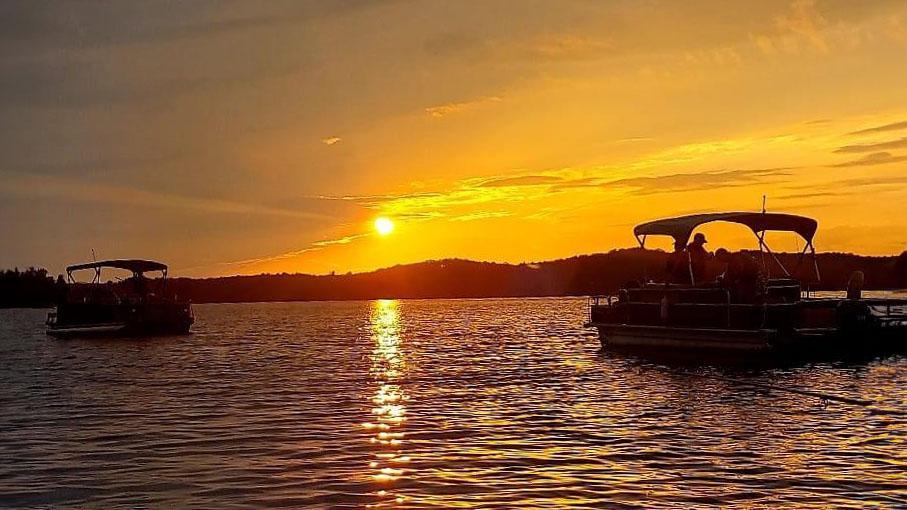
456	278
31	288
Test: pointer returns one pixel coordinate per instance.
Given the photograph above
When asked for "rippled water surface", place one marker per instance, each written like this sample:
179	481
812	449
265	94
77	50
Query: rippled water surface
448	404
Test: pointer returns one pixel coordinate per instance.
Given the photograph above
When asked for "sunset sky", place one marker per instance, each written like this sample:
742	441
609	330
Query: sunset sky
247	137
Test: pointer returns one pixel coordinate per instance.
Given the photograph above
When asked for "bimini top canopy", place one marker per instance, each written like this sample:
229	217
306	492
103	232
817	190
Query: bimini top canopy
682	227
134	265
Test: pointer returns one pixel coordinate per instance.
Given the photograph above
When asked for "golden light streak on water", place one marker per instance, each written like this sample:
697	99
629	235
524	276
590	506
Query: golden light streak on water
388	364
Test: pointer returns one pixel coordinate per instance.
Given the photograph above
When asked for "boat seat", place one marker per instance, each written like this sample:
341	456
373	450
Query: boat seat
678	294
782	290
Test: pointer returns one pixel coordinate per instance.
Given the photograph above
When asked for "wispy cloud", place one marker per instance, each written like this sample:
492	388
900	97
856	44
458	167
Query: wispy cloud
802	26
419	216
584	182
465	194
444	110
804	20
553	48
851	187
569	47
875	181
873	147
894	126
76	190
318	245
818	194
331	140
526	180
373	201
483	215
697	181
876	158
341	240
726	56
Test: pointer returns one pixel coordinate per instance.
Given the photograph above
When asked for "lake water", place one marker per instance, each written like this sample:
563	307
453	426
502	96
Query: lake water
413	404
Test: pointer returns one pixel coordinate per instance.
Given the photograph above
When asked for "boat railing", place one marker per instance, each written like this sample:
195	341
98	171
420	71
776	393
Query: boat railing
598	302
601	300
727	306
723	308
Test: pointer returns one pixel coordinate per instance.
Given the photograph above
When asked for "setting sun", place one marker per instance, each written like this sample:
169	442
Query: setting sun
384	226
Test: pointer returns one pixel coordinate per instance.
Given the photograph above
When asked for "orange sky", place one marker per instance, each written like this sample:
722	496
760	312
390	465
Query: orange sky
239	137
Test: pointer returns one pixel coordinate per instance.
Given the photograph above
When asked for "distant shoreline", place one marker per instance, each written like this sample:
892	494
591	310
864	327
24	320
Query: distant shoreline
578	276
50	307
487	298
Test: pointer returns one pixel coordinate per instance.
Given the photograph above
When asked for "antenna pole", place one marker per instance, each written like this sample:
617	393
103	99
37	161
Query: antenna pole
763	204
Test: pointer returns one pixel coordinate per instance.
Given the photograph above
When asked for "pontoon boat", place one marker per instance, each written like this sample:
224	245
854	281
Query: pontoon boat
703	315
136	306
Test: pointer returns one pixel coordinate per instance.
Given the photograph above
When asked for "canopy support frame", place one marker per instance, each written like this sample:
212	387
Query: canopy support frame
681	228
763	244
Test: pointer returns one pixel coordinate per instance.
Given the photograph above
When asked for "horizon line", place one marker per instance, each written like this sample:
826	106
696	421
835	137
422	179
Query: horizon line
515	264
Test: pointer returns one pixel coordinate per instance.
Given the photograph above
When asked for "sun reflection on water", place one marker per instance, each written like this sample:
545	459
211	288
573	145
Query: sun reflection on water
389	409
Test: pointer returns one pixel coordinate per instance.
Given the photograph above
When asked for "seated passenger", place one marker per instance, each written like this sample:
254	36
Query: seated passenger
139	284
855	285
678	266
742	275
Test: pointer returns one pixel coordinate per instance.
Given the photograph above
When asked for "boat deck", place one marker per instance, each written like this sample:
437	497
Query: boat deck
667	319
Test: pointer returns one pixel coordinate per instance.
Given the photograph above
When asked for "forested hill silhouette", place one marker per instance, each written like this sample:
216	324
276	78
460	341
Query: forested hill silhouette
576	276
29	288
453	278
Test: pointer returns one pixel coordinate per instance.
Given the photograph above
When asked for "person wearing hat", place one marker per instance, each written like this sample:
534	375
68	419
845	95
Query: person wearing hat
698	257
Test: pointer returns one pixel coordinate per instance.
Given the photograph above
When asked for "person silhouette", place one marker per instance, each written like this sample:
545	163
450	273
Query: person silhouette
678	265
698	257
742	275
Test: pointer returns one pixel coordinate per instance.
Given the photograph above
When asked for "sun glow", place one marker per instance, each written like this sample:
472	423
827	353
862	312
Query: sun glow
384	226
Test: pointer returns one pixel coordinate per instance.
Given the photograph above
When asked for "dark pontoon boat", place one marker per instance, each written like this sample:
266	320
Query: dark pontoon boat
708	316
136	306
